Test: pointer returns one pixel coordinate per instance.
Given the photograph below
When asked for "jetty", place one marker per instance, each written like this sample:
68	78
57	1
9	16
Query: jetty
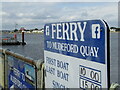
12	40
12	43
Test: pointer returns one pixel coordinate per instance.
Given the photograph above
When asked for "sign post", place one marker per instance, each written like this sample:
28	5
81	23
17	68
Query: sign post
76	54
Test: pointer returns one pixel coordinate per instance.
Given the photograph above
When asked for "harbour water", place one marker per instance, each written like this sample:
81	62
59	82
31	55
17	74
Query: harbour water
35	50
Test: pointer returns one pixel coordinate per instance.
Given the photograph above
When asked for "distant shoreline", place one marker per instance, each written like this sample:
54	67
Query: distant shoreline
41	32
20	33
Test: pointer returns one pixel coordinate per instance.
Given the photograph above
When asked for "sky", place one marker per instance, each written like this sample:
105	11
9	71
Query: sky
31	15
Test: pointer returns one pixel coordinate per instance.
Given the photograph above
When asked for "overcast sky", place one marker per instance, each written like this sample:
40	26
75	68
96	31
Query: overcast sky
35	14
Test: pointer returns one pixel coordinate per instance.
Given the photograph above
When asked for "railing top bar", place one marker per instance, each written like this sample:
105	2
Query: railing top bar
30	61
21	58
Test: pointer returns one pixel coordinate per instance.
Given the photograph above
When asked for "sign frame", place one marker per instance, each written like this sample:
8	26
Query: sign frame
108	52
107	44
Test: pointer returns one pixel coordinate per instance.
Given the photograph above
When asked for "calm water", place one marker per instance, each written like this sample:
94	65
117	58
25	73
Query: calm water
35	47
114	57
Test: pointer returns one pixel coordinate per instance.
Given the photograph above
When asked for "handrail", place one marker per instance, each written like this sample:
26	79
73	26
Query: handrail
30	61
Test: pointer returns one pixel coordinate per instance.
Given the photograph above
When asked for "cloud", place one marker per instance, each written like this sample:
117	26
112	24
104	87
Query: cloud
108	13
33	1
60	0
4	13
31	15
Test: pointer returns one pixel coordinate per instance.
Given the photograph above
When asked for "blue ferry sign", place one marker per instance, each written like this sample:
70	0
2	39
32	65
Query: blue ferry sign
76	54
21	75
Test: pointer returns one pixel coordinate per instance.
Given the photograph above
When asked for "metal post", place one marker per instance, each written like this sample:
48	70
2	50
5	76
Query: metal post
39	65
5	69
2	70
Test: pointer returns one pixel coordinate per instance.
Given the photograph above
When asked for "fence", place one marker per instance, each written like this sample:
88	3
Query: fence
17	71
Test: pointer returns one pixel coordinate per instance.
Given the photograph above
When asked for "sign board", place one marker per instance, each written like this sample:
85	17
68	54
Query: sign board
76	54
20	74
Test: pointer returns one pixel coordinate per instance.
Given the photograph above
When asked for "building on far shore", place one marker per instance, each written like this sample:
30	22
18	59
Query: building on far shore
4	31
32	30
23	29
36	31
114	29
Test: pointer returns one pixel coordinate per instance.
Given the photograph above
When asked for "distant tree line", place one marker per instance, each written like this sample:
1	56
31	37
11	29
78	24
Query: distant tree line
16	30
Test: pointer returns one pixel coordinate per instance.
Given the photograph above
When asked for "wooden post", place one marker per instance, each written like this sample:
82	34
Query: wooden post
23	43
